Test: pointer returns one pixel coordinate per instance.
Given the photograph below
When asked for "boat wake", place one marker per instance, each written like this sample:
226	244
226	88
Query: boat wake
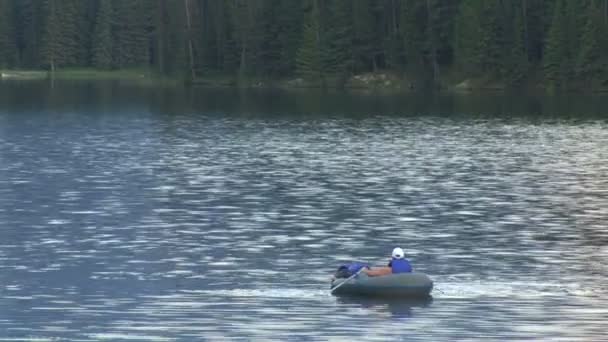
267	293
452	289
509	289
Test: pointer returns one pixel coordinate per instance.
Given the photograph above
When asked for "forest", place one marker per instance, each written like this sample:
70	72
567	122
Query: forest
560	44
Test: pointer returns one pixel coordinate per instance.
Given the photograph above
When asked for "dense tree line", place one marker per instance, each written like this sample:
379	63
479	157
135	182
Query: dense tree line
558	41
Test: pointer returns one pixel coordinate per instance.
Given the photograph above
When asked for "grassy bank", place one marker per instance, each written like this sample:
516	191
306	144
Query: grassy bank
93	74
369	81
392	82
131	75
22	75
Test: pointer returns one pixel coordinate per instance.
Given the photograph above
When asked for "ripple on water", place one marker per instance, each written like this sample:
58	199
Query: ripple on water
153	227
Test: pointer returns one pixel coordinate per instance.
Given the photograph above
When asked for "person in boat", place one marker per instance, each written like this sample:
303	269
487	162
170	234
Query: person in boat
397	264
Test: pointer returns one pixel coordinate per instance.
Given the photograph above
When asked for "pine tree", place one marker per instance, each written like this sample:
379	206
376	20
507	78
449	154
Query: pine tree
492	41
414	26
592	59
468	37
8	47
171	38
516	61
228	51
432	39
557	59
242	20
130	32
86	27
536	20
576	19
367	44
337	57
319	39
308	59
69	14
102	36
60	35
289	21
394	41
264	47
444	15
29	22
204	37
52	52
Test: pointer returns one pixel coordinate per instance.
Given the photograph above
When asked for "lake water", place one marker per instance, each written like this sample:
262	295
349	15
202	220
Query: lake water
150	213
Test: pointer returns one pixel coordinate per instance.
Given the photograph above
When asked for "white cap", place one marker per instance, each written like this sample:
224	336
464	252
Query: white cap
398	253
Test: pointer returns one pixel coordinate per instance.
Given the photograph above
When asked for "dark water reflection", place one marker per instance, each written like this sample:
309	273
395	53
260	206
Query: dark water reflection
397	308
149	213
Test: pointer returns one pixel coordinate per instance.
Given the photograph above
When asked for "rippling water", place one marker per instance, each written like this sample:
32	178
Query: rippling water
155	214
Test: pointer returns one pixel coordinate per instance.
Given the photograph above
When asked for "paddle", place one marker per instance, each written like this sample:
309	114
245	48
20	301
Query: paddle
347	280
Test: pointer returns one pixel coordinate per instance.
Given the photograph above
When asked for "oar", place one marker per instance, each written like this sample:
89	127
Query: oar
346	281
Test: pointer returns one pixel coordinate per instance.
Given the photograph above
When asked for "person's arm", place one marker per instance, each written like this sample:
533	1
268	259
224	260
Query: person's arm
377	271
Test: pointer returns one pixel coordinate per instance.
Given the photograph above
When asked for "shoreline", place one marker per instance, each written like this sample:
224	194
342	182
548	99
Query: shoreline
86	74
378	81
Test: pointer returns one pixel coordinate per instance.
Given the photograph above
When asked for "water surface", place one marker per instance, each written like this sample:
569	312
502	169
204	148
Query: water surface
149	213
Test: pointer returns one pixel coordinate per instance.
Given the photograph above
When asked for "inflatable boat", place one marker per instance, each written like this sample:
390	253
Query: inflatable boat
403	285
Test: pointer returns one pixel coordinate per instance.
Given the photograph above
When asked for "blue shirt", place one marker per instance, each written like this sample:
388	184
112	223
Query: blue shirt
400	266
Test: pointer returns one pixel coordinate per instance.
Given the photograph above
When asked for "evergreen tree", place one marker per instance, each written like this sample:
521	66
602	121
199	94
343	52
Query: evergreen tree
432	39
8	47
576	19
557	59
592	60
497	40
52	52
492	39
70	31
308	59
444	15
131	32
289	31
489	40
394	42
517	64
85	23
102	36
205	37
414	27
28	30
337	58
367	43
60	35
536	20
172	55
468	37
228	52
242	20
264	45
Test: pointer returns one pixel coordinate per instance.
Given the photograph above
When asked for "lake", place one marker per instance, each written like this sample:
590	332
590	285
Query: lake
166	214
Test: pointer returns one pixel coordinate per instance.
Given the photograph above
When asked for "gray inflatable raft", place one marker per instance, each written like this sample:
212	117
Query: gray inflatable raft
408	285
